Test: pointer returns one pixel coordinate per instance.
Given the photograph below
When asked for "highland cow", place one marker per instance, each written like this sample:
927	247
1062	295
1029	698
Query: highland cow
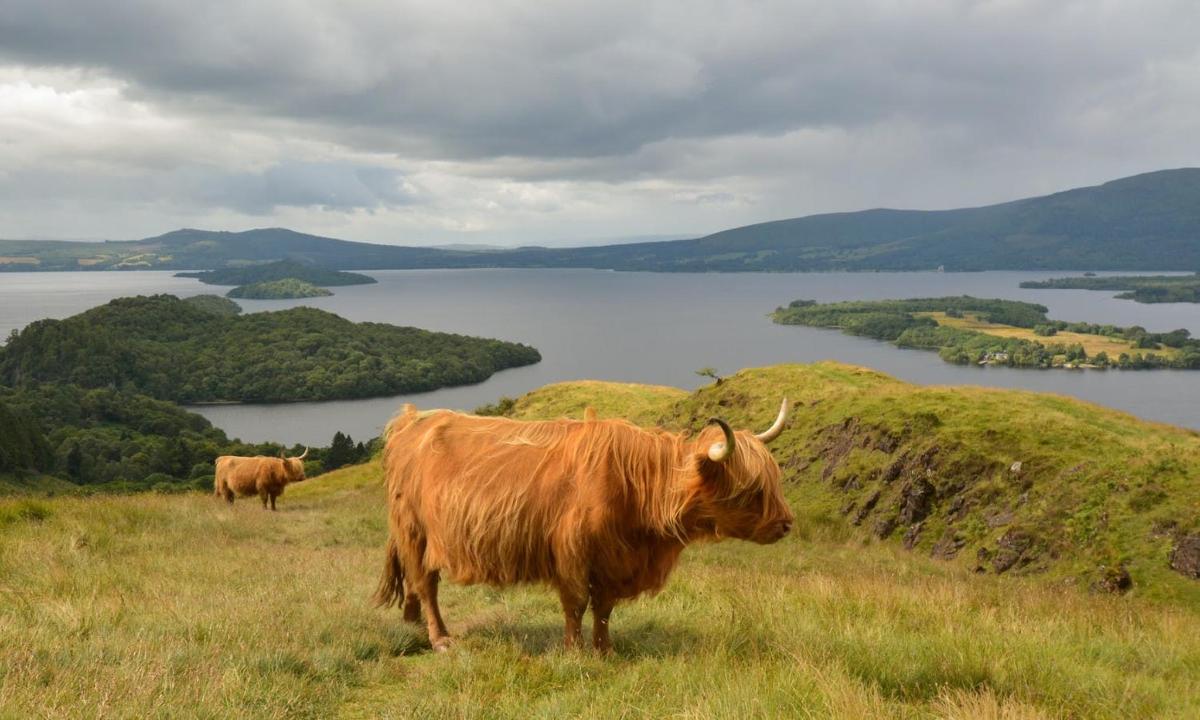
263	476
598	509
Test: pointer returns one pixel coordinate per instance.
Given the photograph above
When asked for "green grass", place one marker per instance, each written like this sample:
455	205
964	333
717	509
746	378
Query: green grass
179	606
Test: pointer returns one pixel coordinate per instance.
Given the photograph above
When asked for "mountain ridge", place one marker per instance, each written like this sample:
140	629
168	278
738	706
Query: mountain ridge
1145	222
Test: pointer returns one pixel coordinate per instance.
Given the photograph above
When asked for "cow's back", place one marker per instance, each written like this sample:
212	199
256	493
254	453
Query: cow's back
497	501
244	475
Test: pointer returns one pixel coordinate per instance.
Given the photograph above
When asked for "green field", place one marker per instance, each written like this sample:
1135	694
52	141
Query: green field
177	605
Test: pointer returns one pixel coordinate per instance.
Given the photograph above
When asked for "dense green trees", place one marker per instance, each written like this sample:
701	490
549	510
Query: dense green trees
214	304
284	289
280	270
22	444
110	439
1142	288
172	350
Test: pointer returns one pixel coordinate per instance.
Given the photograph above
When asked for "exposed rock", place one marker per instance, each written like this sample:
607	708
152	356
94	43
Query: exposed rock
849	507
957	508
1185	557
1015	468
912	536
948	547
998	518
1016	548
1114	580
916	500
982	555
884	527
867	506
893	471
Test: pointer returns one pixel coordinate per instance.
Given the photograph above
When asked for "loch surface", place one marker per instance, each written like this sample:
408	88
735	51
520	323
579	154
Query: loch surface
640	327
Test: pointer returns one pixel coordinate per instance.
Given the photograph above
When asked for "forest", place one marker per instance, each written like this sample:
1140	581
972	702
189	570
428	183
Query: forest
279	270
1140	288
907	323
173	350
287	288
112	441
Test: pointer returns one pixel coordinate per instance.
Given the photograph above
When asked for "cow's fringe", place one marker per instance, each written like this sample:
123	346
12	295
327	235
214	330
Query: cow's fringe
391	584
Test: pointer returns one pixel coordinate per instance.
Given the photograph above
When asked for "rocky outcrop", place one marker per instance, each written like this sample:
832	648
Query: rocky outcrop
1185	556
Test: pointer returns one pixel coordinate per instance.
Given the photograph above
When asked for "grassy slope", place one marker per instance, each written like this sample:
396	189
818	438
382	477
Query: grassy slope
1093	344
143	605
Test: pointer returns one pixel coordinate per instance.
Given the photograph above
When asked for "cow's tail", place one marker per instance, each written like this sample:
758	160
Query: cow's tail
391	584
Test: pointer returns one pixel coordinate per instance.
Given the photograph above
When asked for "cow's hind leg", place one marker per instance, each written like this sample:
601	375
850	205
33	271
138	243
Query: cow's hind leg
426	587
273	496
574	604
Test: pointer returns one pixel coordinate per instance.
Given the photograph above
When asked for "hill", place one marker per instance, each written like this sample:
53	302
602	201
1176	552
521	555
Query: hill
190	249
276	271
284	289
269	614
1143	222
173	350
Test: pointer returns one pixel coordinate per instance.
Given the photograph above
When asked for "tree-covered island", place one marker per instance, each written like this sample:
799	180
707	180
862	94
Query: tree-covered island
171	349
285	289
279	270
966	330
1139	288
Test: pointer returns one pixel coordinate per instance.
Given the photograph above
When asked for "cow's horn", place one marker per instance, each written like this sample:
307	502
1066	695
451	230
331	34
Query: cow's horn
304	455
773	432
722	451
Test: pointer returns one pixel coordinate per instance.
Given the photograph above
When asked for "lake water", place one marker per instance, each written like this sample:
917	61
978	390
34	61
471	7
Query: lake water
640	327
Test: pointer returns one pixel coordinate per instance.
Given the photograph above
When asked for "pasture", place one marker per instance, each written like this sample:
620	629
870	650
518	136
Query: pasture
178	606
181	606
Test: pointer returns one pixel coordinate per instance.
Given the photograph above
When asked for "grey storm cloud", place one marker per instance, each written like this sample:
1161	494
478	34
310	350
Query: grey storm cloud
546	79
734	111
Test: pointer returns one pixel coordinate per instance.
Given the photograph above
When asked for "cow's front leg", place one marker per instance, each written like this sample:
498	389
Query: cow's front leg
412	608
273	496
263	496
602	606
574	604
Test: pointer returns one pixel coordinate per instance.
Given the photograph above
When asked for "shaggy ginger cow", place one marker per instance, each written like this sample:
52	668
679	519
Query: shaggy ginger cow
263	476
599	509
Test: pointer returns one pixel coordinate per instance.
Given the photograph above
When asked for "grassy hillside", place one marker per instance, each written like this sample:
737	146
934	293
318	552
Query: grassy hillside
152	605
965	330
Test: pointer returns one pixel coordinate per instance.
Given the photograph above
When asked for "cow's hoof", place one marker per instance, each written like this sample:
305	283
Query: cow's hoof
442	645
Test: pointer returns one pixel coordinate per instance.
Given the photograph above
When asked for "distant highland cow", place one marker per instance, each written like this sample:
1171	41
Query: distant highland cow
263	476
598	509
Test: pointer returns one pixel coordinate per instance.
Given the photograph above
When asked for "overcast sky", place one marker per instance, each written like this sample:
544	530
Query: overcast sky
530	121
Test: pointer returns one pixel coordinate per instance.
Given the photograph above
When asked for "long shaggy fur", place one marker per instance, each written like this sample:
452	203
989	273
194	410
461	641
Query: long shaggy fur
598	508
263	476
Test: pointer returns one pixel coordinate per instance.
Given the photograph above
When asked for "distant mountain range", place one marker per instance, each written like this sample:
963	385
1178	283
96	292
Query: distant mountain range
1144	222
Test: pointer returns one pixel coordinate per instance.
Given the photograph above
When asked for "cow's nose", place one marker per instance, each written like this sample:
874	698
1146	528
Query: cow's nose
785	527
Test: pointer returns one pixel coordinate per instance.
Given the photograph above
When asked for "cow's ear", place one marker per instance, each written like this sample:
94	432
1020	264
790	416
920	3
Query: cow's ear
709	472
